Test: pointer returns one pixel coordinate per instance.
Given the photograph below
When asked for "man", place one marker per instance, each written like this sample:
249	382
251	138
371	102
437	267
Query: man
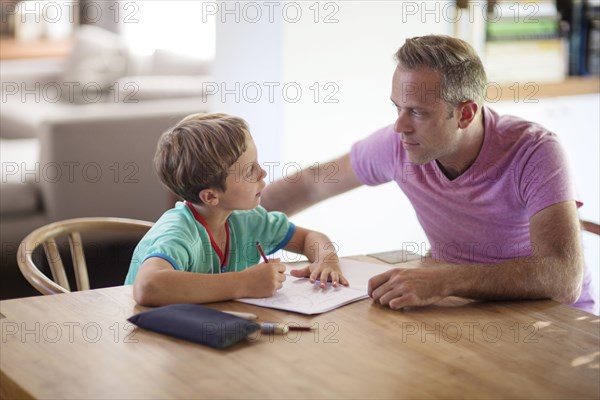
492	193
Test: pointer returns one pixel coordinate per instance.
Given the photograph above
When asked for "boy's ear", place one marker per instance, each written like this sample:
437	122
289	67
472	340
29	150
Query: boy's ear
208	197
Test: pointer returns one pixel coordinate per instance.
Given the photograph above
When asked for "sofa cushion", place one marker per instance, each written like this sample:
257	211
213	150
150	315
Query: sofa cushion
19	198
16	122
24	74
166	62
99	58
20	160
133	89
23	92
19	192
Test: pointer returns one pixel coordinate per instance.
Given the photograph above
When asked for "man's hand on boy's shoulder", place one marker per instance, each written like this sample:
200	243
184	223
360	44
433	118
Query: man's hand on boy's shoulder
323	272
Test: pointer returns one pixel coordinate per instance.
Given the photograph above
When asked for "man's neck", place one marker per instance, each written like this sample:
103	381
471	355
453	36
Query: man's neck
467	151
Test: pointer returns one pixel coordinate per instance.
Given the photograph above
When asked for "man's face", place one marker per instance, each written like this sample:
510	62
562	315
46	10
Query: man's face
428	127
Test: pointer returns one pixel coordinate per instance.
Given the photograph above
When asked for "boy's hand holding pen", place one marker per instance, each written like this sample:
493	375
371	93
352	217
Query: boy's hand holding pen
326	270
265	278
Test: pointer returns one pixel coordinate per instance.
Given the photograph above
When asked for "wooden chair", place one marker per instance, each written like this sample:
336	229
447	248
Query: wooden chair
590	227
46	236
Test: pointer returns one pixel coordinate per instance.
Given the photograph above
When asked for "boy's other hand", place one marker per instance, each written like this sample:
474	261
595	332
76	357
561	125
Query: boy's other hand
266	278
325	271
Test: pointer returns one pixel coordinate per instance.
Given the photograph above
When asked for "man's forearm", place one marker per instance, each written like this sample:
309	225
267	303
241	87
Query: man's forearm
317	183
287	197
522	278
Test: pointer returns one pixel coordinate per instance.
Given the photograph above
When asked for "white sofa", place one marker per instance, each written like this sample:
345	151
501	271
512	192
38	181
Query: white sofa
65	159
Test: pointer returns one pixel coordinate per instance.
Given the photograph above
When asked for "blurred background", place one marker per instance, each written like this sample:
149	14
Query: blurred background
88	86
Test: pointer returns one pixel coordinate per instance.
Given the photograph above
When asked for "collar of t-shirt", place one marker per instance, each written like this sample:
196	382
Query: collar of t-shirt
223	256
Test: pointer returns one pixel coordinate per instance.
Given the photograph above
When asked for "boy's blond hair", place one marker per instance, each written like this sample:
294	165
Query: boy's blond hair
198	152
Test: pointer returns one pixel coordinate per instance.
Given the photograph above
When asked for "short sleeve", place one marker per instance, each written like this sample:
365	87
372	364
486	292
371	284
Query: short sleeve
173	249
172	238
374	159
272	229
545	177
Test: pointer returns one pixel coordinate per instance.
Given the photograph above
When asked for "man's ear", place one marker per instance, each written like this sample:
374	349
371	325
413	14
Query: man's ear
208	197
468	111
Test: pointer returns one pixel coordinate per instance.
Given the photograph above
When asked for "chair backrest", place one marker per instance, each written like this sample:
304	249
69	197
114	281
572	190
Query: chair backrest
72	228
590	227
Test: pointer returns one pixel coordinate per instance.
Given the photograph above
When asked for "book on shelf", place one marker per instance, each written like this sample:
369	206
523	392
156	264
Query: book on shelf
540	61
524	43
592	50
508	29
583	20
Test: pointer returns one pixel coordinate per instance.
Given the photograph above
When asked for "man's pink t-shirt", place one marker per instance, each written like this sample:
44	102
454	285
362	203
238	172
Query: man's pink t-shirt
482	216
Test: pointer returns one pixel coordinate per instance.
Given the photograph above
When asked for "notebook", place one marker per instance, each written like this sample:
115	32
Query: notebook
299	295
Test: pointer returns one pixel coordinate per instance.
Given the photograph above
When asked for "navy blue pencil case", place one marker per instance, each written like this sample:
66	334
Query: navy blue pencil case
196	323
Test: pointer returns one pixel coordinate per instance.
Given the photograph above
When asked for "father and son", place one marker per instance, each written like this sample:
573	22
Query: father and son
204	249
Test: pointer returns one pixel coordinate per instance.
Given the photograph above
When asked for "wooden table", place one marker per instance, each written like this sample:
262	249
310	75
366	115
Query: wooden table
80	345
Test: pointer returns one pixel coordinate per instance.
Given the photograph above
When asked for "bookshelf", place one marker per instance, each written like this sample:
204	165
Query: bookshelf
531	91
37	29
525	41
541	46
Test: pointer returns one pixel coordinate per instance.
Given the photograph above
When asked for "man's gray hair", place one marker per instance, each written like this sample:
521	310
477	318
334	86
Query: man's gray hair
462	74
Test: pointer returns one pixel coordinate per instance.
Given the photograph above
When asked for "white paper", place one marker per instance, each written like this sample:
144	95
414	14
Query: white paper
299	295
358	273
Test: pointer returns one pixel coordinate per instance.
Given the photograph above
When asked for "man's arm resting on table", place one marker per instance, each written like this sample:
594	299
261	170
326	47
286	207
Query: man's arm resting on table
554	270
315	184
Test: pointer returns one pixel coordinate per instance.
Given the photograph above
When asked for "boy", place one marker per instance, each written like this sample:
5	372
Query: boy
205	249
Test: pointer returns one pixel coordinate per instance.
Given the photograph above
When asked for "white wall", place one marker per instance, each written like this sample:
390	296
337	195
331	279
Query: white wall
355	56
248	63
343	50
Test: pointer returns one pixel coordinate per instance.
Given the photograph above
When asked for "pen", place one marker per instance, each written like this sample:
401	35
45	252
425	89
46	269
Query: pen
300	328
243	315
262	253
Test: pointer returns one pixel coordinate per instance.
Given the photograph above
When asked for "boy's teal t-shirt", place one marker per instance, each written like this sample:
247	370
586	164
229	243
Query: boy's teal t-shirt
180	238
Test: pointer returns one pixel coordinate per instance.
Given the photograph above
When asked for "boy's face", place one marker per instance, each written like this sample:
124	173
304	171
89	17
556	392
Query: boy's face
244	182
